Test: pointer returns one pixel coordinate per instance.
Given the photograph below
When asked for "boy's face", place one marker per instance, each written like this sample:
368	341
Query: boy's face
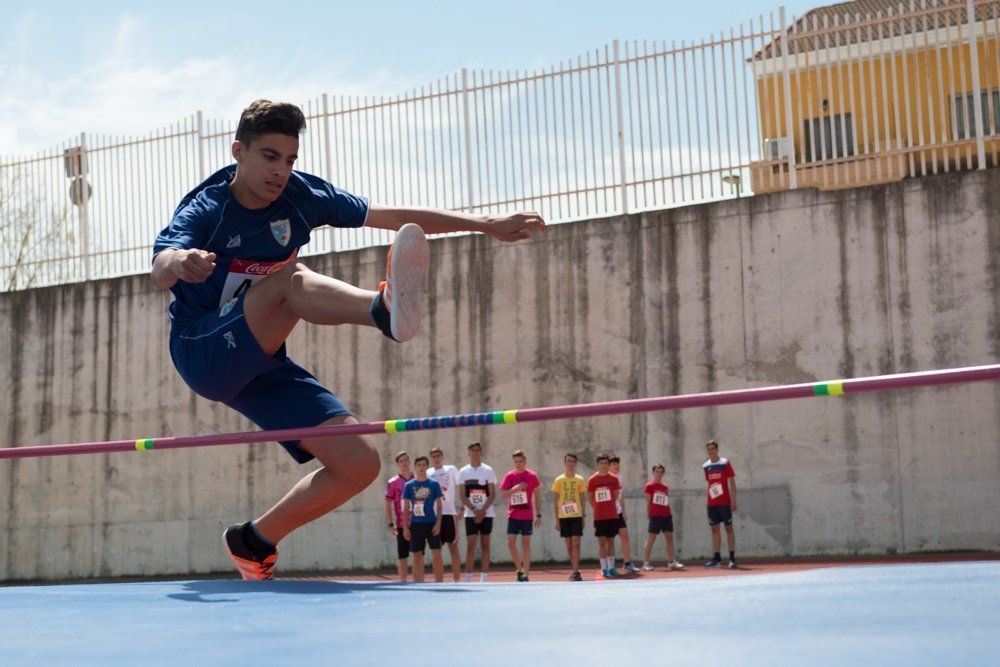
519	462
475	452
658	475
437	459
713	451
266	163
603	467
615	467
570	465
421	466
403	463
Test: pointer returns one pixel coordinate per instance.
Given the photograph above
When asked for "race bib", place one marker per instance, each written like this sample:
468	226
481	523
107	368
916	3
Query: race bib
418	509
478	498
519	498
660	498
715	490
603	495
244	273
570	508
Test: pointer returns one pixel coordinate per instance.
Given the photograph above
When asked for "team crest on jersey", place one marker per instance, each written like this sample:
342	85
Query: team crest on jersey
282	230
227	307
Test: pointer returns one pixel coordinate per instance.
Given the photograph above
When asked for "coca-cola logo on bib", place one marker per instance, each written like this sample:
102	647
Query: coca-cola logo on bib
256	268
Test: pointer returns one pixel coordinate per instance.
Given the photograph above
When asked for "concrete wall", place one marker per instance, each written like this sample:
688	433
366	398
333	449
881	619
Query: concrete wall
792	287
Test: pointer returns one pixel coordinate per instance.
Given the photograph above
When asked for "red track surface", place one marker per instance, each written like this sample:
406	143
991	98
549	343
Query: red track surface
504	573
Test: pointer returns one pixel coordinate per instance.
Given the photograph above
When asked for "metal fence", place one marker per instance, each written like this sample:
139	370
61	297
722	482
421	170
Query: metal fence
766	105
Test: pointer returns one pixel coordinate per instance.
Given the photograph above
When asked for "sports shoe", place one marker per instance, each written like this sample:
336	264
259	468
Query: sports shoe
396	309
631	568
521	576
715	562
250	567
613	573
576	576
732	564
676	565
648	567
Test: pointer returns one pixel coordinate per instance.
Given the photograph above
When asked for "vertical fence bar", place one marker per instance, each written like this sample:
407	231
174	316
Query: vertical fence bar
976	88
468	139
621	128
793	182
84	206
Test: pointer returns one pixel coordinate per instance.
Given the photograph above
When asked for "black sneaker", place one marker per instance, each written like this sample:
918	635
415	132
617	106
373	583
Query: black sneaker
521	576
576	576
715	562
732	564
251	566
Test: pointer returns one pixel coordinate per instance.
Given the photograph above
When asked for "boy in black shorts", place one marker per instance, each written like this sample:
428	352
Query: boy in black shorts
660	519
569	490
605	490
422	503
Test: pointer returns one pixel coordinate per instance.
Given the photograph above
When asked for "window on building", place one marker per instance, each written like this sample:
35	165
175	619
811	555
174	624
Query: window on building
829	137
965	122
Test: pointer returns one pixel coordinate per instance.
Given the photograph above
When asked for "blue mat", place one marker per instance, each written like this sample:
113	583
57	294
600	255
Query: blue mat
936	614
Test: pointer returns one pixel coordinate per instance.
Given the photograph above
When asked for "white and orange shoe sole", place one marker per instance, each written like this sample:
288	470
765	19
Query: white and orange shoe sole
251	570
406	266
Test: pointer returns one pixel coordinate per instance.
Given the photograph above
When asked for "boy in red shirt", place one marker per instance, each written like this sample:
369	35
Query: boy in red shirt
660	519
721	502
604	491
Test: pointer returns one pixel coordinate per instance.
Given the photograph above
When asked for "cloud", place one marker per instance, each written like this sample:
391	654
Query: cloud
125	90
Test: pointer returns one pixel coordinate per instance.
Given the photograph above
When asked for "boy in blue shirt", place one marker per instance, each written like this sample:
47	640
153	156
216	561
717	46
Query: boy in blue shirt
229	256
422	503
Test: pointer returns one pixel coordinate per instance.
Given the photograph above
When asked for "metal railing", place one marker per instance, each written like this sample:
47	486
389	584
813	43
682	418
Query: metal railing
628	127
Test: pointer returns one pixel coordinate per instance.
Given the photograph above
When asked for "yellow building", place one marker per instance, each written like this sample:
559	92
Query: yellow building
877	91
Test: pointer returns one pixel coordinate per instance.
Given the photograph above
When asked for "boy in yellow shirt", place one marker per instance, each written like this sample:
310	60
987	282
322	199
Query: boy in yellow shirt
569	490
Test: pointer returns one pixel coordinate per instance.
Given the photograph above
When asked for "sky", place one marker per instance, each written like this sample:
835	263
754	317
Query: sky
128	67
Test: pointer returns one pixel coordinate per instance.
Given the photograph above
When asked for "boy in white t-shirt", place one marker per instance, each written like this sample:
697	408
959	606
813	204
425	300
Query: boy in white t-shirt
447	476
477	489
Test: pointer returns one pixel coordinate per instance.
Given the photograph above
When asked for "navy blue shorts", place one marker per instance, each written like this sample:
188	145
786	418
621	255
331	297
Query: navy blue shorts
720	514
219	358
520	527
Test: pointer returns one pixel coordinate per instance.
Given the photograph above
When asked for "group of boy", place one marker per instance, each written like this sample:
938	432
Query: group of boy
421	512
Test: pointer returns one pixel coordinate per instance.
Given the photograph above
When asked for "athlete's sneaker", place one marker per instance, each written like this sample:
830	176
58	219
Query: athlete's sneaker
631	568
676	565
732	564
576	576
614	573
521	576
396	309
648	567
483	576
715	562
468	578
250	566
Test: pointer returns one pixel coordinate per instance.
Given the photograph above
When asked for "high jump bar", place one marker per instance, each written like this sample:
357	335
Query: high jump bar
629	406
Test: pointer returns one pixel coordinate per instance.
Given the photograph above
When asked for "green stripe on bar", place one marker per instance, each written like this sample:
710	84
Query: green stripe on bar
144	445
821	389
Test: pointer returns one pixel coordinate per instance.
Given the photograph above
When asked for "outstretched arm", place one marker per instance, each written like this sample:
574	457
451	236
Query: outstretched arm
510	228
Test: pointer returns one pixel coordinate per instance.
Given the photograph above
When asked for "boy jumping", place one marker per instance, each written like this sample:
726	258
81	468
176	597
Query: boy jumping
229	256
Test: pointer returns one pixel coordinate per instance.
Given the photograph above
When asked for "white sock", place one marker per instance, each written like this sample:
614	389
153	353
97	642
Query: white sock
468	577
483	577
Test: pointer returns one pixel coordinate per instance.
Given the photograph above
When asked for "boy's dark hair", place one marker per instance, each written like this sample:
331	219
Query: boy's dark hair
421	458
436	450
659	466
475	444
603	457
519	452
614	459
570	455
267	117
399	456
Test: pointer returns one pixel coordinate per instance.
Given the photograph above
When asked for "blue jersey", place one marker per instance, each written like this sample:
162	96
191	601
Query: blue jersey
422	496
249	244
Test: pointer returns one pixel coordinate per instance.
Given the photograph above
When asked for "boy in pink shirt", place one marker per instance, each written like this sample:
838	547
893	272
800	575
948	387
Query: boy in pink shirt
520	488
394	515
